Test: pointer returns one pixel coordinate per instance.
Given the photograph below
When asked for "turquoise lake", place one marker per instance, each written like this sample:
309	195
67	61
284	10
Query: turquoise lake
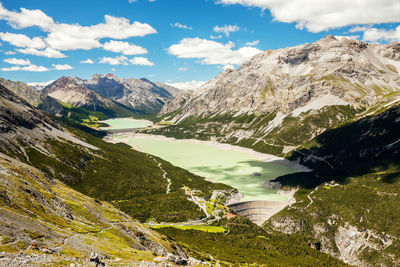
226	164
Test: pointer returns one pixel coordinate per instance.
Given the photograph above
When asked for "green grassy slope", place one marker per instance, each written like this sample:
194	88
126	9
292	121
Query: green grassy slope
91	117
37	209
245	244
363	160
293	131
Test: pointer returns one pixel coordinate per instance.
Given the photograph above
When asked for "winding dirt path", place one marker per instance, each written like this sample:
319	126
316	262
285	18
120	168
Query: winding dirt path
164	174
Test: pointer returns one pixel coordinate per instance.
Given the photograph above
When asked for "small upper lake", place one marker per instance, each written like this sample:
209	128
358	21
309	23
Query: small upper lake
126	123
241	168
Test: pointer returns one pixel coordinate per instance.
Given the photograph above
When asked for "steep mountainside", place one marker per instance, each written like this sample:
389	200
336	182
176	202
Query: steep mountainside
282	98
350	202
33	97
22	90
140	94
72	91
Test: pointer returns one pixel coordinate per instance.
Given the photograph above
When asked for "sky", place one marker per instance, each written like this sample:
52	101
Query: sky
181	42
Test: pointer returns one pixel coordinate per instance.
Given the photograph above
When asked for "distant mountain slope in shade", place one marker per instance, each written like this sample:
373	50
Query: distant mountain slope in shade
33	97
282	98
140	94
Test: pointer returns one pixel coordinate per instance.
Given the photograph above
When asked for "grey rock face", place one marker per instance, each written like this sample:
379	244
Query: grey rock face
140	94
72	91
283	80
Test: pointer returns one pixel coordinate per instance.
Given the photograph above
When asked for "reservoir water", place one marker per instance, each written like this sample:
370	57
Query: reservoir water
238	167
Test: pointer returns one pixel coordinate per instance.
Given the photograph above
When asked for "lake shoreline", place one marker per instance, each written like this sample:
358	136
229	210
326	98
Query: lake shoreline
136	123
287	196
260	156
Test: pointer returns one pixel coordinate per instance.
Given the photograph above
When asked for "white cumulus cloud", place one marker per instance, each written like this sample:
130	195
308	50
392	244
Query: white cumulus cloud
321	15
63	36
226	29
181	26
124	48
123	60
87	61
228	67
187	85
31	67
48	52
142	61
120	60
212	52
16	61
219	36
61	67
375	35
21	40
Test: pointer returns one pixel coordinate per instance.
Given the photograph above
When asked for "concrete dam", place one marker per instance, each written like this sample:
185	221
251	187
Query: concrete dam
257	211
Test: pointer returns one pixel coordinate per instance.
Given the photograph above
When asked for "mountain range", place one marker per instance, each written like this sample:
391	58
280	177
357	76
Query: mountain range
282	98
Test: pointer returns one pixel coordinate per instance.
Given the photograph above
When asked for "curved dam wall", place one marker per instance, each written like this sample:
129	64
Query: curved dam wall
257	211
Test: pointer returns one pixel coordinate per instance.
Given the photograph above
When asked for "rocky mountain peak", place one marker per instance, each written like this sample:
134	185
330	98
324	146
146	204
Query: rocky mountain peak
111	76
328	38
71	90
140	94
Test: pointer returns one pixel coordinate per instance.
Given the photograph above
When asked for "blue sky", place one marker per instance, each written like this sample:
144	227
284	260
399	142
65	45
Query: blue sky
173	41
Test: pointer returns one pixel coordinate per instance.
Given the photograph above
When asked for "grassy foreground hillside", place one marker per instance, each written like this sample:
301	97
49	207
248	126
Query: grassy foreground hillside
43	221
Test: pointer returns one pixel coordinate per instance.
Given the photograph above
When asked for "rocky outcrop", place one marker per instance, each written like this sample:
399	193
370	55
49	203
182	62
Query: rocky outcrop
22	90
72	91
343	241
287	225
22	125
351	242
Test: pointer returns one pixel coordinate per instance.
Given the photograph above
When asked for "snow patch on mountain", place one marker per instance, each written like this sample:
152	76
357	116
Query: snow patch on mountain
326	100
